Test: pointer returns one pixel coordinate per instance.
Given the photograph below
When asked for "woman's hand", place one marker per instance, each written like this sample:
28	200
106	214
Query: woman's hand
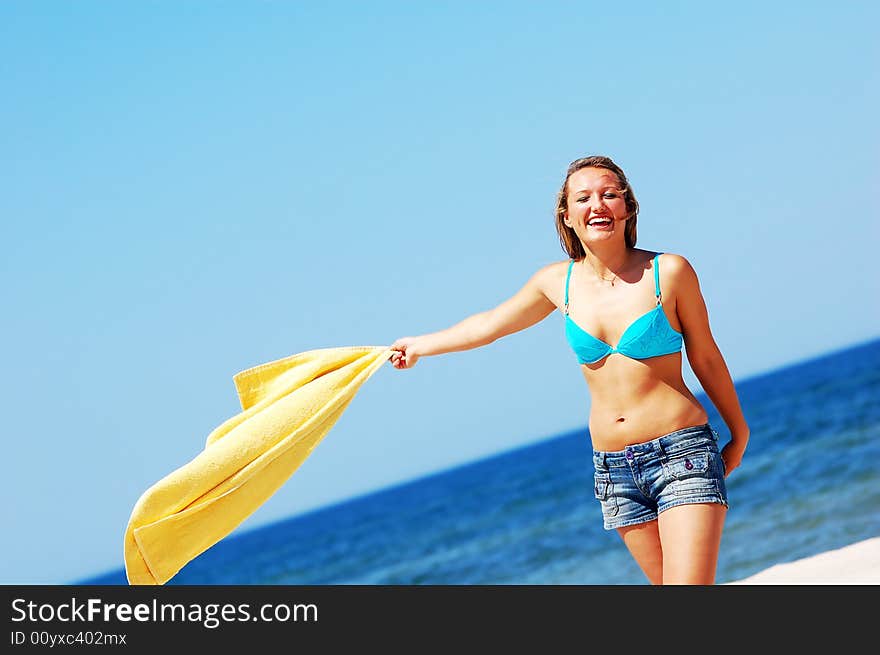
407	352
732	453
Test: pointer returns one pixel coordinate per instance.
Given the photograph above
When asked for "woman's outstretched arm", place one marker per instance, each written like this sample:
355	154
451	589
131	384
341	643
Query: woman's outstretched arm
526	307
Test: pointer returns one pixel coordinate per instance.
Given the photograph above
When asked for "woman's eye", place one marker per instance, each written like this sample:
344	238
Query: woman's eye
610	196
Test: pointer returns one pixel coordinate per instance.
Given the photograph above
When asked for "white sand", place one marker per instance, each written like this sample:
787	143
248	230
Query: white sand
858	563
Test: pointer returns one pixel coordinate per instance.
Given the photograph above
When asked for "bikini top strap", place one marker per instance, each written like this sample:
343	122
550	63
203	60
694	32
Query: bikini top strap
657	277
567	278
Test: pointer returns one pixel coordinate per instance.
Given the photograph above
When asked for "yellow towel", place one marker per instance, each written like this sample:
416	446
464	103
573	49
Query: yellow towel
288	406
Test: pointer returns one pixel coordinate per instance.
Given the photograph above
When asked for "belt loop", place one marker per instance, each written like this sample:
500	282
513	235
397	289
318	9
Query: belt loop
660	448
604	460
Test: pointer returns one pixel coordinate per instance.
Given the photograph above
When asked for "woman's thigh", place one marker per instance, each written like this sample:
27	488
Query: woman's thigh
643	542
690	536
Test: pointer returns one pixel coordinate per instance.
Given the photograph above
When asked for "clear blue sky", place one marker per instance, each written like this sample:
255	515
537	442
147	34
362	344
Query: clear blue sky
194	188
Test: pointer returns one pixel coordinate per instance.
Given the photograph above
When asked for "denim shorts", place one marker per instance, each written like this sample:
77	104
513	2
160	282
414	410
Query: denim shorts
635	484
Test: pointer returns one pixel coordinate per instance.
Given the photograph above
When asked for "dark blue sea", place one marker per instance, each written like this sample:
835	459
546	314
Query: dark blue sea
809	482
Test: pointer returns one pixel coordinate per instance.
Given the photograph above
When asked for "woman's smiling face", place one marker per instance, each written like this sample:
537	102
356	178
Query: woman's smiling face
594	194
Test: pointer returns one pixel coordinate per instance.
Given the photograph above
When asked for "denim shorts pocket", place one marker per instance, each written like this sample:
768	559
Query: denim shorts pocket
689	463
602	489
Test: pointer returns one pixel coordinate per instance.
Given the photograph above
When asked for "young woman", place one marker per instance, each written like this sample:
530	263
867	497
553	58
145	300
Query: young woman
659	474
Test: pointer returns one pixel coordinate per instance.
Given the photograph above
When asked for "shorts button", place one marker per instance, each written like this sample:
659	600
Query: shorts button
629	454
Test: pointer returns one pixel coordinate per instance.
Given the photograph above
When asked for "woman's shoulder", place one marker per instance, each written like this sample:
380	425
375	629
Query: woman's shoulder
551	271
677	276
547	278
674	264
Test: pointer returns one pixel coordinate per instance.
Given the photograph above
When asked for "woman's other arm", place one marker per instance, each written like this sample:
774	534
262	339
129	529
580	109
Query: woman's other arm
526	307
705	357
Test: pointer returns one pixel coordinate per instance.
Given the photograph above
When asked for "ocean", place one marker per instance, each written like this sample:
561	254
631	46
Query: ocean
809	482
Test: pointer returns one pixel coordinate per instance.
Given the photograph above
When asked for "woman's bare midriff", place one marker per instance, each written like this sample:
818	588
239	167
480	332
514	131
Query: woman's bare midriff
634	401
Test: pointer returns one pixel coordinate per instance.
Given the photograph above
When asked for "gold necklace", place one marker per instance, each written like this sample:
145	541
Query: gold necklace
604	279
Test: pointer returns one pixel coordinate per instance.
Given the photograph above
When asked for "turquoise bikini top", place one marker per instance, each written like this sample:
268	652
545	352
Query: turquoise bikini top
650	335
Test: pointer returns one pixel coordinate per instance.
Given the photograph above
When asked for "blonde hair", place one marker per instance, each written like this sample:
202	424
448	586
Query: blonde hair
567	237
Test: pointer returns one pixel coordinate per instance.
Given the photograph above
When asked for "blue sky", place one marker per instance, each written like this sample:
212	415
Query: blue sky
191	189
